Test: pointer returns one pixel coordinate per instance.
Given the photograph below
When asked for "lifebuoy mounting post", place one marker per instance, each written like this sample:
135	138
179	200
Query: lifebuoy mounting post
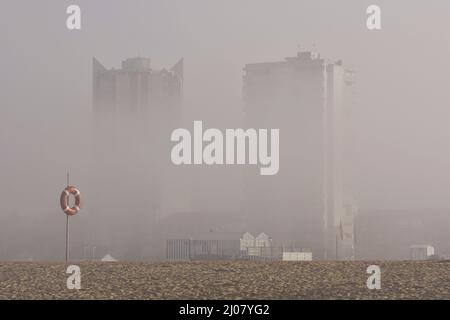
68	210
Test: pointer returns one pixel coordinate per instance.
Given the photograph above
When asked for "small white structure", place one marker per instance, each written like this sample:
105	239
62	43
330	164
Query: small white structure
108	258
247	241
250	243
421	252
253	251
297	256
263	240
256	246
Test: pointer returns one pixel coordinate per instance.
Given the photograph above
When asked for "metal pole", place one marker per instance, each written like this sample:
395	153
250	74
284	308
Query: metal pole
67	238
67	228
336	247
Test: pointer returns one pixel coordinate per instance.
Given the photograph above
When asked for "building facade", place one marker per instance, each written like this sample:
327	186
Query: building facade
135	108
305	97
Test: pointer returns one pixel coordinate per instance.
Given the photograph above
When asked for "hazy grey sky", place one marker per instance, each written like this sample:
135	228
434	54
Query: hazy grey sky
402	135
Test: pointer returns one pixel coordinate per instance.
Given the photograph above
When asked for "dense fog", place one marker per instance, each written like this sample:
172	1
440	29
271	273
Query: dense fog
134	198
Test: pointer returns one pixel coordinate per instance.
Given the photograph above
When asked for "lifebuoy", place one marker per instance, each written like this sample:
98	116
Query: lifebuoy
64	200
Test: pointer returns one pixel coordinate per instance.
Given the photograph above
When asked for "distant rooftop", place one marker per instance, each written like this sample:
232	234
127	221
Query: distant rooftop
136	64
304	56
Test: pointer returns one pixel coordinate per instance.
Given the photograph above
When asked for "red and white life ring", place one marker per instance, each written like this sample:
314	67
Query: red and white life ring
64	200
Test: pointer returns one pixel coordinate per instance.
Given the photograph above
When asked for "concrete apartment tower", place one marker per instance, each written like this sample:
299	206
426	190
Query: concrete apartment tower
135	109
305	204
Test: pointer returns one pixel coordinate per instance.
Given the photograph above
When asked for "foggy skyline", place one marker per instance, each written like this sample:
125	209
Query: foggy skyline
401	138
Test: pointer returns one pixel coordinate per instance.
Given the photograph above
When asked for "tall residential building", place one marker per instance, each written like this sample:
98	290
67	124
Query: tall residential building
305	203
135	110
136	87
